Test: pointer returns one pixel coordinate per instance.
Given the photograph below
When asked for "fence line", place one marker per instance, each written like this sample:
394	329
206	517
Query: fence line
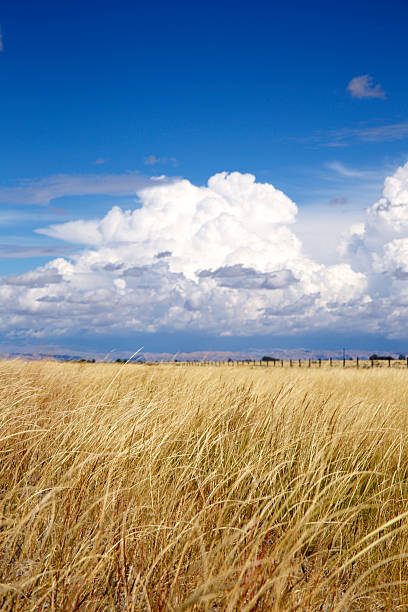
291	363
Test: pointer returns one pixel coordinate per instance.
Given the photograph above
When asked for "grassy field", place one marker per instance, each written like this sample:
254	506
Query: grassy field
129	487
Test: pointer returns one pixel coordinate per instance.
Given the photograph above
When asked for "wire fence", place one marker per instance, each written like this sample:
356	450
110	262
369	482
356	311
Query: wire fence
357	363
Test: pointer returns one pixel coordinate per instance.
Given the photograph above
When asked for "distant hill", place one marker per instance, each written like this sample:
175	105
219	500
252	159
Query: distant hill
249	354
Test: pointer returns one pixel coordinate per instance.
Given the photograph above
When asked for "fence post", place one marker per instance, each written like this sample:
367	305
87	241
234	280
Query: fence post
291	363
372	363
309	362
320	363
331	361
344	362
300	363
282	363
389	362
357	361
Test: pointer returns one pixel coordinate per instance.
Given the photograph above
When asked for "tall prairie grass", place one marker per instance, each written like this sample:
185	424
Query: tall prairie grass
129	487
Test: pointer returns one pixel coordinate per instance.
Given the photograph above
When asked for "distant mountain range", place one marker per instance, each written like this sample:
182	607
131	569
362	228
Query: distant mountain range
250	354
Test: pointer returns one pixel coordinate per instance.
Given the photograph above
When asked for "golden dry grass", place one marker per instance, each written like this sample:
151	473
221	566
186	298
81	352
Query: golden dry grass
179	488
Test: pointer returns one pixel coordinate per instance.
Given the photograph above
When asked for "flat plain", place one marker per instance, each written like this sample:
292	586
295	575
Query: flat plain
136	487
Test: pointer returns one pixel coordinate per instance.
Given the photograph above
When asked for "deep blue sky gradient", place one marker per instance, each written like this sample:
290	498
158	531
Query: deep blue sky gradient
234	85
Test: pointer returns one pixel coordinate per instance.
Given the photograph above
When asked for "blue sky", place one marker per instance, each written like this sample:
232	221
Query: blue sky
308	97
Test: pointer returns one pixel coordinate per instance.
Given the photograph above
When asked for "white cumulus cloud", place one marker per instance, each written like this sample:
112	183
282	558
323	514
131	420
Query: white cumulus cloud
378	248
233	220
385	221
222	258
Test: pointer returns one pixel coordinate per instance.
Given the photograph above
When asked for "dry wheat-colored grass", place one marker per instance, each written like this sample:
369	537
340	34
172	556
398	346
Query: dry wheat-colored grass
172	488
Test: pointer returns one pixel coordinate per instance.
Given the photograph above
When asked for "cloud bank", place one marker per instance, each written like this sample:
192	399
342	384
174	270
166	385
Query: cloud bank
223	258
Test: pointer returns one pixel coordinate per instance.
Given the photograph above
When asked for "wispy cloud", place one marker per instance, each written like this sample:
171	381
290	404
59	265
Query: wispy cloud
336	144
100	161
376	133
59	211
338	201
20	217
348	172
13	251
363	87
152	160
383	133
43	191
346	136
